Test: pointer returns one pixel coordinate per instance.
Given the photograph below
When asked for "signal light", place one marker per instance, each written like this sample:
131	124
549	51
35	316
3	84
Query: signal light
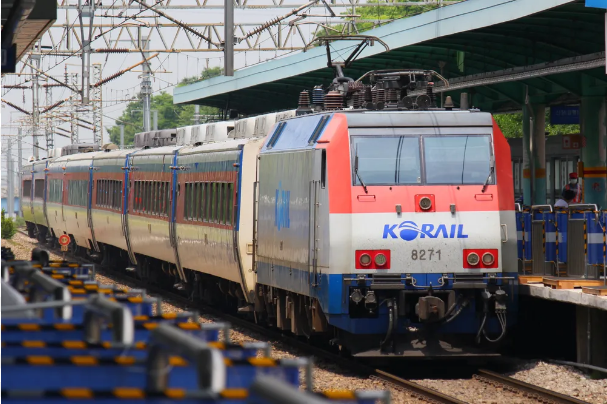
473	258
488	258
380	260
425	203
365	260
372	259
480	258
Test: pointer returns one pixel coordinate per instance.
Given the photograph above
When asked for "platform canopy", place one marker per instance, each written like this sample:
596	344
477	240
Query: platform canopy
499	51
23	23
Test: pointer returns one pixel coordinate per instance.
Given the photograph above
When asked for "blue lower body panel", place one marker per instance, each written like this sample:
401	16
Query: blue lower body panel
333	293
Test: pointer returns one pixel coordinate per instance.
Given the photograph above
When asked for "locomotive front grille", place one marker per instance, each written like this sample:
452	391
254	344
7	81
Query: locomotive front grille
387	281
468	277
466	281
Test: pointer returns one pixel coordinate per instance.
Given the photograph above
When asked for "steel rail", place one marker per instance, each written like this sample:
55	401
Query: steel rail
532	391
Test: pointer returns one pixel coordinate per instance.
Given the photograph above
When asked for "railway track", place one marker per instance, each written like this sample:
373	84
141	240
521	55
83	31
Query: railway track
528	390
416	390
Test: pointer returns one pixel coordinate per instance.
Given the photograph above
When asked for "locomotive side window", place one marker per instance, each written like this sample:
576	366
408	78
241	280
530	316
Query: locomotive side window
39	189
220	202
167	198
77	192
207	201
229	202
387	160
109	194
55	191
201	196
188	197
457	159
27	188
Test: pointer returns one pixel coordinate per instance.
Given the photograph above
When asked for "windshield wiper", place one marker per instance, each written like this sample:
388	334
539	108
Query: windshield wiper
491	170
356	172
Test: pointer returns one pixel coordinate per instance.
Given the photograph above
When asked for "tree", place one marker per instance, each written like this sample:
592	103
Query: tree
378	13
205	75
8	226
169	115
512	125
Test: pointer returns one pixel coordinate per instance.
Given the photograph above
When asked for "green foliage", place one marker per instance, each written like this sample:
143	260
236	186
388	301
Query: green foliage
19	221
206	74
169	114
512	125
378	13
8	226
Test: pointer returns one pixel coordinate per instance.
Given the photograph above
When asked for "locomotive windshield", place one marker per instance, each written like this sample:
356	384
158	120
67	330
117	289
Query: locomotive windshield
397	160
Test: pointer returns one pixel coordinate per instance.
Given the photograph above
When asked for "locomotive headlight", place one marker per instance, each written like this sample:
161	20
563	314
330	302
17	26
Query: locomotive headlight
365	260
488	258
380	260
425	203
473	258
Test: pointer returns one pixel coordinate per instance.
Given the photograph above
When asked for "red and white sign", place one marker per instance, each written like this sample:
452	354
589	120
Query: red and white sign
64	239
573	141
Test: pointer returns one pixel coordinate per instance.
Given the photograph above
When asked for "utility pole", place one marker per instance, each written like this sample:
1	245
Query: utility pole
86	11
155	111
10	187
146	83
97	103
196	114
74	113
121	136
19	166
50	143
35	104
228	48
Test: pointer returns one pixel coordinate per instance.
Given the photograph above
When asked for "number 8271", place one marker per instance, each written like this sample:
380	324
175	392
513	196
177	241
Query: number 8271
426	255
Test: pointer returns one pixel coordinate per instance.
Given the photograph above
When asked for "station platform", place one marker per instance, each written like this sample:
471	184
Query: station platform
568	306
594	296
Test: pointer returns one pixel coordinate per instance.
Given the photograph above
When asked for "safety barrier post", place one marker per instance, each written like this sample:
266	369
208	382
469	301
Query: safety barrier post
538	238
577	239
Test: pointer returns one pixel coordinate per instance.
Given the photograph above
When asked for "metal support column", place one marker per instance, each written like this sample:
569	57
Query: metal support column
19	166
97	103
593	115
86	11
228	49
74	113
539	153
10	186
527	157
146	83
48	130
121	136
35	59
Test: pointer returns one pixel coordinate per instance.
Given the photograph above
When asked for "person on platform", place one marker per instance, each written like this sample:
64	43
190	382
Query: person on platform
568	196
575	187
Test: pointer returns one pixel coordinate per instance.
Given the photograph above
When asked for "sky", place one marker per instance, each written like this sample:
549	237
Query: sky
169	68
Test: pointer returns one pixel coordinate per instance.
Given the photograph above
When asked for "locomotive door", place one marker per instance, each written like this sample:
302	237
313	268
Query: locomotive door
64	193
128	167
173	216
313	233
32	192
44	198
316	193
89	205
